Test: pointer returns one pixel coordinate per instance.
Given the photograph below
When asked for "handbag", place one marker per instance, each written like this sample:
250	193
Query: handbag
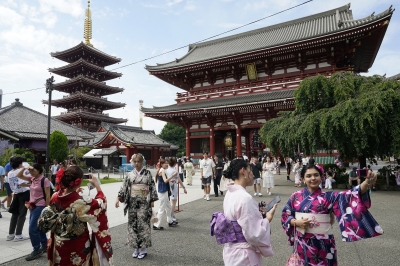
294	259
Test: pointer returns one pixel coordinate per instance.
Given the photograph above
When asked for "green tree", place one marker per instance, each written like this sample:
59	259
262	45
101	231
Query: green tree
58	146
77	154
354	114
176	135
22	152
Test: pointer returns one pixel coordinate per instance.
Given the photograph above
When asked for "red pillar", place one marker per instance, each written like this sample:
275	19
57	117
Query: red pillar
187	143
238	141
212	142
128	152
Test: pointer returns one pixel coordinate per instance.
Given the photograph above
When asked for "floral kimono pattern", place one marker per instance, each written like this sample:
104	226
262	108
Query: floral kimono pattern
138	208
351	211
70	243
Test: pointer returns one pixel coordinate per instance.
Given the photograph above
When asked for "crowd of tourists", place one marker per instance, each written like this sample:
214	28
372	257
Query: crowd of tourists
243	226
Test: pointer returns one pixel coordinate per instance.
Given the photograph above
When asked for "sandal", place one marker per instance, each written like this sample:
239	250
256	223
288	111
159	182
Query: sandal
142	255
135	254
158	228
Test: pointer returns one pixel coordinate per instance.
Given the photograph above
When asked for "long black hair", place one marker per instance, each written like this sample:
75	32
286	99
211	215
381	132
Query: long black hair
233	170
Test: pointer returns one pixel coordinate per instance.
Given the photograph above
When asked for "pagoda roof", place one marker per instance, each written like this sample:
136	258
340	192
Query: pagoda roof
307	28
85	97
227	102
76	69
106	89
88	115
133	136
70	55
20	122
395	77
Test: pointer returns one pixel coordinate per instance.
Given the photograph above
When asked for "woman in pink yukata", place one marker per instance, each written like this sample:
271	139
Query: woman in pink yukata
312	212
243	230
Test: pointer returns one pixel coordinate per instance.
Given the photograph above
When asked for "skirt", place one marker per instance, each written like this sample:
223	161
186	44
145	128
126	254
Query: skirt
268	180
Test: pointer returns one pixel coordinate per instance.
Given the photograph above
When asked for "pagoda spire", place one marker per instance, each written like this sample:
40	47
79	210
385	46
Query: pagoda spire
87	31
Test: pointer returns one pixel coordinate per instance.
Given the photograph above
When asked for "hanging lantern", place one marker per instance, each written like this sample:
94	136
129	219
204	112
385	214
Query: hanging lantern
228	141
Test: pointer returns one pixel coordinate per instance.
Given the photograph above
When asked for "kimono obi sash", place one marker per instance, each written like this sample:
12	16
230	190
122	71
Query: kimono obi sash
139	190
226	231
320	223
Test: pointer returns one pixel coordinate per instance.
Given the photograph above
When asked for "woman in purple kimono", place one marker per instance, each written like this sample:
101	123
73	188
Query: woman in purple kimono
311	211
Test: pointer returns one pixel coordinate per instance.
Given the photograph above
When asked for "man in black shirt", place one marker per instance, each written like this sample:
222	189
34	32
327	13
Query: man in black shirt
219	166
257	170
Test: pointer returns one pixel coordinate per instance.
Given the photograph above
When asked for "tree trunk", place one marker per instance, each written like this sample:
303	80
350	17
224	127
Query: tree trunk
363	161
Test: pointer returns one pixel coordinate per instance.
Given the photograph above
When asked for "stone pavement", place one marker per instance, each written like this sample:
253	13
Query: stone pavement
191	244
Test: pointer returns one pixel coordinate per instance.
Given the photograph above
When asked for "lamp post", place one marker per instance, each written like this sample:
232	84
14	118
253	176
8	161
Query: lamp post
49	89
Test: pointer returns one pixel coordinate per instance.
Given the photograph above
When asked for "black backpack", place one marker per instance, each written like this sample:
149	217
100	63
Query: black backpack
44	193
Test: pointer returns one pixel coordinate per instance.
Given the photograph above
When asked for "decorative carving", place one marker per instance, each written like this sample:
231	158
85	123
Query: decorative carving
251	71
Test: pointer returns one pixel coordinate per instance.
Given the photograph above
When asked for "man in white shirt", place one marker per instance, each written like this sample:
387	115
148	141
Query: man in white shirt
54	168
207	171
245	157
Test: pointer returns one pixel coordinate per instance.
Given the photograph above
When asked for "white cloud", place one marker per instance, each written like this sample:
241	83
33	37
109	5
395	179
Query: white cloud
190	5
9	17
70	7
174	2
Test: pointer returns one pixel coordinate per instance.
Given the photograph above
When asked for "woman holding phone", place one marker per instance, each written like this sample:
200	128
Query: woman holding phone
309	214
241	228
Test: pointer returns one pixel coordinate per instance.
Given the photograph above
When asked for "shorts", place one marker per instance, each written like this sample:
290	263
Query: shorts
174	191
206	181
257	181
8	189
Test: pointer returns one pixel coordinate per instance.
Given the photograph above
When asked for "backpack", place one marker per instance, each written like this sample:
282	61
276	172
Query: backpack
44	193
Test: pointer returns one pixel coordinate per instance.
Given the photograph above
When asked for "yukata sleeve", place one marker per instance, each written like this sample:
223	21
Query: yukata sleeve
122	190
152	189
351	211
255	229
288	213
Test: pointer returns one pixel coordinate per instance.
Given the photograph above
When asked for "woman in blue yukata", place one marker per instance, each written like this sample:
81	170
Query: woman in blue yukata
311	212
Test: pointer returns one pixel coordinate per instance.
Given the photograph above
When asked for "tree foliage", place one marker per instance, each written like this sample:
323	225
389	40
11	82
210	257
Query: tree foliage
356	115
58	146
22	152
176	135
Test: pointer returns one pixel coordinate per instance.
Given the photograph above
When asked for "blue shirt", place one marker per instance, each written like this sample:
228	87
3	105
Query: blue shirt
8	167
162	186
2	171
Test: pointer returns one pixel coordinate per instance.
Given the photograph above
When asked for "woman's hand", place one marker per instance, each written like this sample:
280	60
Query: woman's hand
303	223
271	213
95	182
79	190
184	191
152	204
117	203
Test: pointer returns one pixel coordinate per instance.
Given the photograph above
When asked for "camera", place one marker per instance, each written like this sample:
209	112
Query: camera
87	176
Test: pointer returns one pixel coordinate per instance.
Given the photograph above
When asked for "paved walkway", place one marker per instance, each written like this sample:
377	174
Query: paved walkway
190	243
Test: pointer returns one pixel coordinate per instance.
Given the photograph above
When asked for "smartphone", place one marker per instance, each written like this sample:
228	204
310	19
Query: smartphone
271	204
362	172
87	176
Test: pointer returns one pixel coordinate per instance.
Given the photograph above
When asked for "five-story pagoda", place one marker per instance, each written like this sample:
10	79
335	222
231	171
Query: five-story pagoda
86	85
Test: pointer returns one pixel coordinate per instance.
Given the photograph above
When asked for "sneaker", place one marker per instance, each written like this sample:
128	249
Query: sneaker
20	238
205	197
173	224
208	198
10	237
259	194
135	254
269	193
2	206
43	249
255	194
157	228
222	193
142	255
34	255
173	218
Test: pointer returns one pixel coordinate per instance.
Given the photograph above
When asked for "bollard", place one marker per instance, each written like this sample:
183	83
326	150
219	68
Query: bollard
179	209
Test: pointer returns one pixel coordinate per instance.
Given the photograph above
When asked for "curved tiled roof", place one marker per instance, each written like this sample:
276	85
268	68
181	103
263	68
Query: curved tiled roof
107	105
26	123
223	102
91	116
82	46
318	25
395	77
82	79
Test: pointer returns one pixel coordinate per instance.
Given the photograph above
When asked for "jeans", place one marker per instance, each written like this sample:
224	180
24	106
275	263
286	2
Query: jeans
37	237
19	215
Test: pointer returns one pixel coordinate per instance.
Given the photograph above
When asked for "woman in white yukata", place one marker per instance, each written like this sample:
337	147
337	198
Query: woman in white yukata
243	230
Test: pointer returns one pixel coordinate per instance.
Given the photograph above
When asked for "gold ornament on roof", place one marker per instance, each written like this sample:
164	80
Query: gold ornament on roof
87	30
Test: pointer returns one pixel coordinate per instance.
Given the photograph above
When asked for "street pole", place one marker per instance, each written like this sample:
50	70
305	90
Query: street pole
49	89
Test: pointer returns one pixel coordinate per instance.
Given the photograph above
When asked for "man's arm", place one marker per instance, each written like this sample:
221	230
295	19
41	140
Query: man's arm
2	182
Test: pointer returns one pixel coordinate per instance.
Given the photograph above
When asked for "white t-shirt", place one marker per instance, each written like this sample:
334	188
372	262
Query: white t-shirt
207	166
15	182
169	172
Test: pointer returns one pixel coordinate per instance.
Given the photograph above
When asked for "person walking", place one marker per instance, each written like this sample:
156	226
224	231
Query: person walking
165	204
241	228
20	188
54	168
257	172
2	174
278	165
207	172
139	193
330	178
268	175
297	171
288	166
189	168
9	196
39	199
219	166
173	184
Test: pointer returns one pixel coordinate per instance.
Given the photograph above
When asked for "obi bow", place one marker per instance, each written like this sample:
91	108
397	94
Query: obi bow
225	231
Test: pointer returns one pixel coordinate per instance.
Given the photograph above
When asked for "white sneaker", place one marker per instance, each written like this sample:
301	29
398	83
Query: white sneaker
269	193
259	194
205	197
2	206
208	198
255	194
20	238
10	237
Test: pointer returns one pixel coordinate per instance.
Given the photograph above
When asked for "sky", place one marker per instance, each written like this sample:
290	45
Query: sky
137	29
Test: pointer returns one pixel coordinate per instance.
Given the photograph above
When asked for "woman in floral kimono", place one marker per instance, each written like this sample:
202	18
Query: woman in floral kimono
311	213
67	218
139	194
